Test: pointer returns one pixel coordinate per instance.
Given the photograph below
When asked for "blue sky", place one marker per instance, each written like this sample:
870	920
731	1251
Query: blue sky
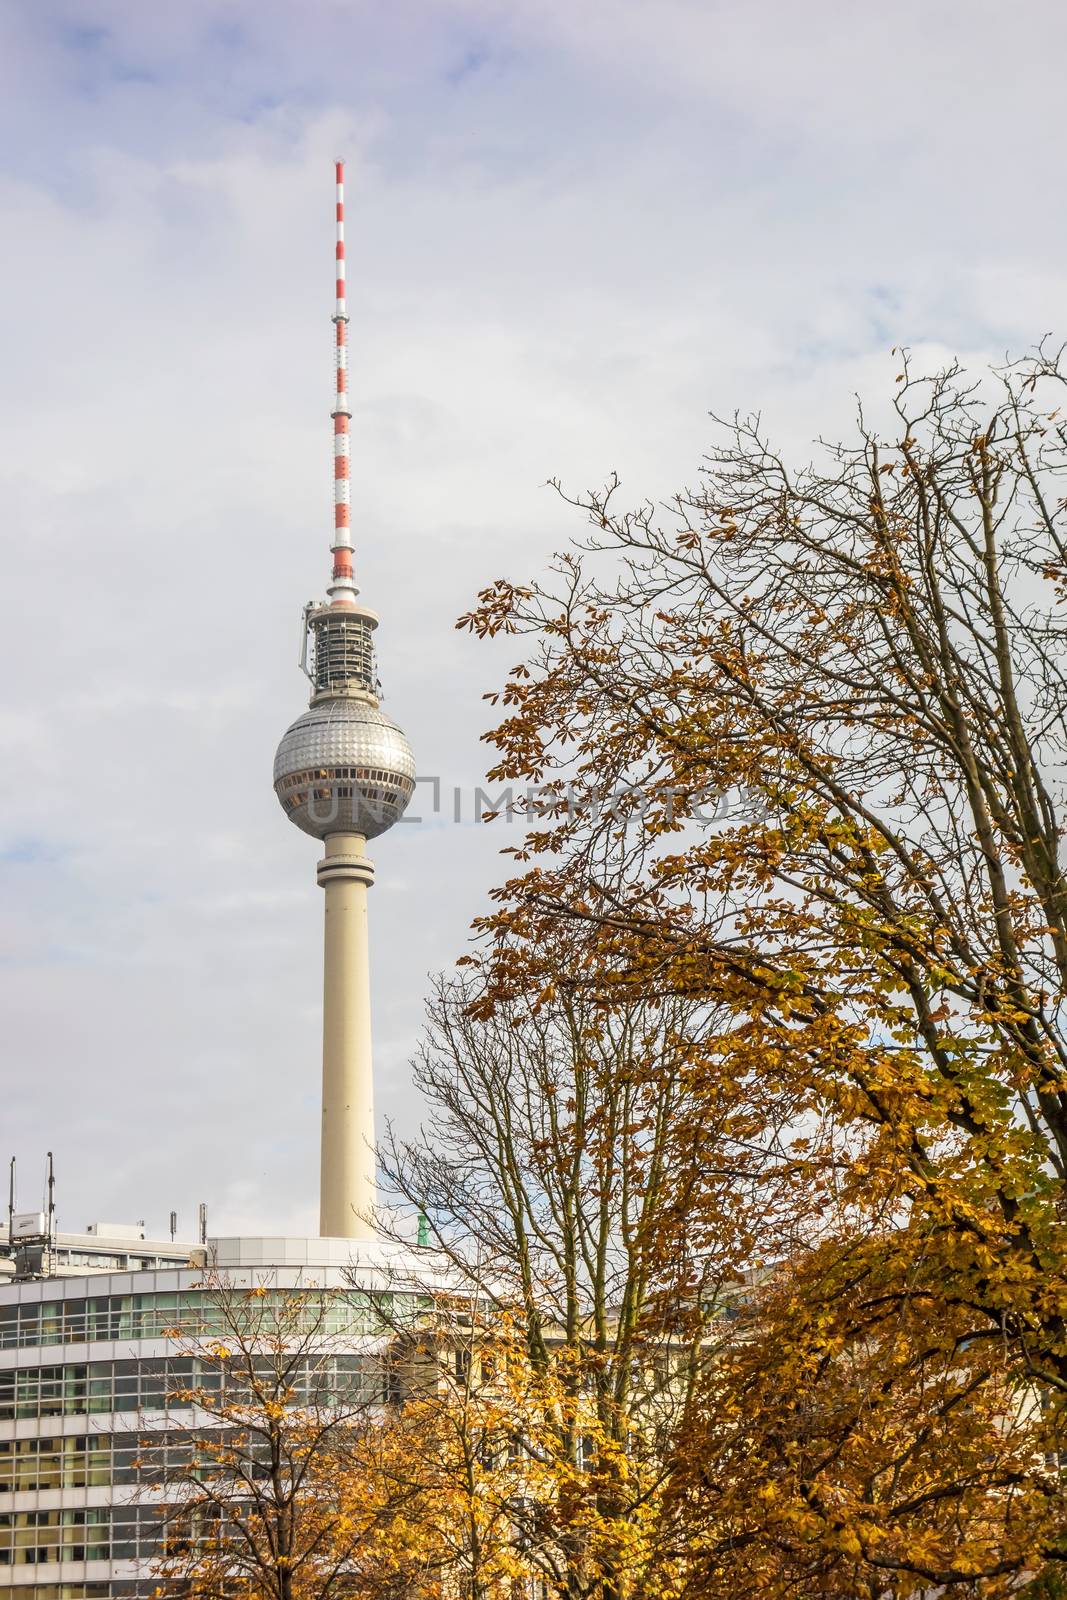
574	230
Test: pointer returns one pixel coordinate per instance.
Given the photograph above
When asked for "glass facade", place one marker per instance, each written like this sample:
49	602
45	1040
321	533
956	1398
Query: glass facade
158	1316
96	1386
30	1537
91	1461
175	1383
92	1533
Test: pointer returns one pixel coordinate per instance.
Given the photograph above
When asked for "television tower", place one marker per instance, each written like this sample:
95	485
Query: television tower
344	773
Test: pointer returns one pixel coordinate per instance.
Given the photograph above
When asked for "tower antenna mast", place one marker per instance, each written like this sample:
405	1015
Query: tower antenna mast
342	590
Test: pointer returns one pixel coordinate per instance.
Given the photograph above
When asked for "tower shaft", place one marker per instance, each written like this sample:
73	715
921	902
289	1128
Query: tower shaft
347	1189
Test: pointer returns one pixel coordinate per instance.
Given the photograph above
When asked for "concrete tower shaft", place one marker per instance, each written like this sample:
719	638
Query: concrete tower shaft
346	1173
344	773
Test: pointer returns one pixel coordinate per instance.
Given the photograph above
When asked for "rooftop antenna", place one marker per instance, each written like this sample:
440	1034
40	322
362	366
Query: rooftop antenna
173	1226
11	1205
203	1223
51	1200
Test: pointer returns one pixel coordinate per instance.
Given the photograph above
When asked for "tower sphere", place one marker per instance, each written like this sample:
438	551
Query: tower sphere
344	767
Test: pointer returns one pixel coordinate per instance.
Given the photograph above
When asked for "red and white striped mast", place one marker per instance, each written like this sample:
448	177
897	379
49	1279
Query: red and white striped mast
342	590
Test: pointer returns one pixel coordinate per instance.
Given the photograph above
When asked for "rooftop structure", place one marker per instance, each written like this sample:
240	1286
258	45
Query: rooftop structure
29	1249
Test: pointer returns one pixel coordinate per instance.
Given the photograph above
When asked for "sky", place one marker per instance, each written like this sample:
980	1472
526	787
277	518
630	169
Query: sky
574	230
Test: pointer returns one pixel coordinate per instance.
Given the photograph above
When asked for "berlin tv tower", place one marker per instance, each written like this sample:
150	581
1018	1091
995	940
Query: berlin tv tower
344	773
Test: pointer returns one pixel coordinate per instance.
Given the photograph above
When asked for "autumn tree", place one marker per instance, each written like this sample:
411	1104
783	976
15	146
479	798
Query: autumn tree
288	1482
798	741
453	1456
549	1174
876	1445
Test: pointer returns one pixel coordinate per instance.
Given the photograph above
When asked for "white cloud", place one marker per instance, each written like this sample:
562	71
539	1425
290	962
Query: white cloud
575	230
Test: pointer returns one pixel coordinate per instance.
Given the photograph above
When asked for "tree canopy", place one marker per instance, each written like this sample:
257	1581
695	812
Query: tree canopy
798	743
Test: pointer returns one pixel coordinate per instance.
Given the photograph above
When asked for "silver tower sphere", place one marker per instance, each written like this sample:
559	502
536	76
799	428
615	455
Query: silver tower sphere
344	766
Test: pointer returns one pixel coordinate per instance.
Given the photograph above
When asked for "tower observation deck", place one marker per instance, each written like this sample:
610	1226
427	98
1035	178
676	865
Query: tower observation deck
344	773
